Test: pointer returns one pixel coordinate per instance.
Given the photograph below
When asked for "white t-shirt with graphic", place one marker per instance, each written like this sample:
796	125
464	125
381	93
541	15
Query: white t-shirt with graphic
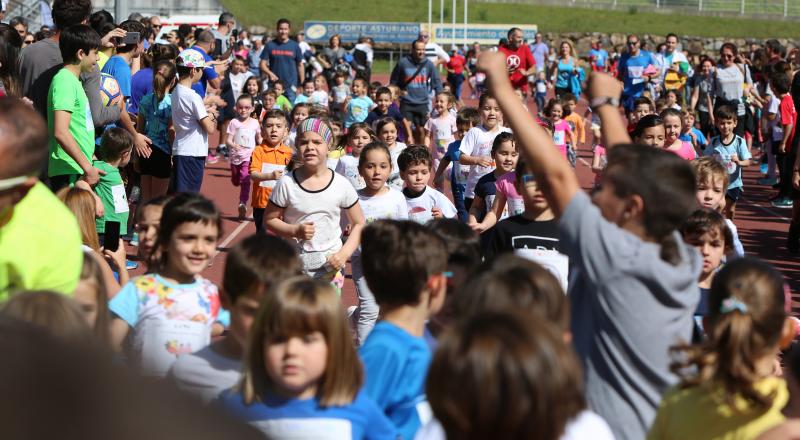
478	142
389	206
420	207
394	179
347	166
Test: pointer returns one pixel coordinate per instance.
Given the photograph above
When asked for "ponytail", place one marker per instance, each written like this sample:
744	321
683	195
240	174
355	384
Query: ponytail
163	74
745	323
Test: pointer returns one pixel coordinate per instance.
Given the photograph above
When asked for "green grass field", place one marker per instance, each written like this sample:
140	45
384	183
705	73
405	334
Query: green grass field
549	18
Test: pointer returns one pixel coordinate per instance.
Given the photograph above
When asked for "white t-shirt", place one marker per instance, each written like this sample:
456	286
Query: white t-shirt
322	207
205	374
419	207
394	179
187	111
389	206
775	124
478	142
348	167
443	132
237	83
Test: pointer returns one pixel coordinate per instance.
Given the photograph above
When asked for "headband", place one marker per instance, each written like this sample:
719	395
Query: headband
318	126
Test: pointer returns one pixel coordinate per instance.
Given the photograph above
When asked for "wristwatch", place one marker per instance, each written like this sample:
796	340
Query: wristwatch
603	100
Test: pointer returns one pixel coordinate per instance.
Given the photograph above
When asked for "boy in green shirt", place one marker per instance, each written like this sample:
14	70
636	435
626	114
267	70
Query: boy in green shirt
116	146
69	120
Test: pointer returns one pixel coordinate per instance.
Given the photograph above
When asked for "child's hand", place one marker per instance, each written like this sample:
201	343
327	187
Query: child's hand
92	175
275	175
436	212
337	261
304	231
492	63
782	148
485	161
735	159
475	226
118	256
601	84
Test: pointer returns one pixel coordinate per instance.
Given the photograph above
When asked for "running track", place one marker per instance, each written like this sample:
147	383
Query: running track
762	228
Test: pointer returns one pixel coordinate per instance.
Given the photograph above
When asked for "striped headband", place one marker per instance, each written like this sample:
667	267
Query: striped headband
318	126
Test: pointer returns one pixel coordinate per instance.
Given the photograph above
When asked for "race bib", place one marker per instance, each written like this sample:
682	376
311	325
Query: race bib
306	428
120	199
515	206
269	168
555	262
166	339
559	137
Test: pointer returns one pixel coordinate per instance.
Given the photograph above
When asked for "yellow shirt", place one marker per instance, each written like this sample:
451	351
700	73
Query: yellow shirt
102	59
699	413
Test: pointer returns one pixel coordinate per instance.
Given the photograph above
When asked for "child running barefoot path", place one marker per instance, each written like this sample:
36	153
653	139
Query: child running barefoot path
634	283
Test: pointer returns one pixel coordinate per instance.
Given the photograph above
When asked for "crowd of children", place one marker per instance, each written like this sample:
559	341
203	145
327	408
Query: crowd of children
516	306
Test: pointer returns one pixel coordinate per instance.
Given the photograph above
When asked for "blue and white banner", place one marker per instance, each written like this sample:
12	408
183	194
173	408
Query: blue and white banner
350	31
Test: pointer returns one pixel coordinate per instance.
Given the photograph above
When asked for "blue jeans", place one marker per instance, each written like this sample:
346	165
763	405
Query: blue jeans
290	94
540	98
458	200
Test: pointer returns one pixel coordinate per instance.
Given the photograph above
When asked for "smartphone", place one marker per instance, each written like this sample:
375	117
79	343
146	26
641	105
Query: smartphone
131	38
111	239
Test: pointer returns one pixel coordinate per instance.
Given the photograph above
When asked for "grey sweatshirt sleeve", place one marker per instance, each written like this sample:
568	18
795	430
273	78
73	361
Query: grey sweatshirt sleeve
101	115
436	79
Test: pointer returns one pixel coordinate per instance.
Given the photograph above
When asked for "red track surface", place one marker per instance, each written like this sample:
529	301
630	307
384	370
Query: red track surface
762	228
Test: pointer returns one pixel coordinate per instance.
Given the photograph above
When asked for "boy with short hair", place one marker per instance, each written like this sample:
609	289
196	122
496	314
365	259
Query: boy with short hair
357	106
568	103
712	180
781	83
642	106
731	150
268	162
116	146
119	65
424	202
384	108
308	90
252	267
466	118
409	288
69	119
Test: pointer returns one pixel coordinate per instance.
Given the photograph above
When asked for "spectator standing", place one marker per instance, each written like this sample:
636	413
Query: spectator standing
539	50
519	60
282	60
633	71
416	75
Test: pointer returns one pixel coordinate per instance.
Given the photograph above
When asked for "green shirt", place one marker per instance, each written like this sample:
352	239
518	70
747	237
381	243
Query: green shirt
284	104
111	191
40	246
66	93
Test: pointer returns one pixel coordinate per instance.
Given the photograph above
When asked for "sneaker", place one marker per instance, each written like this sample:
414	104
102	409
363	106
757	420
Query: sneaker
351	311
222	150
211	159
130	265
135	239
768	181
782	203
136	194
242	211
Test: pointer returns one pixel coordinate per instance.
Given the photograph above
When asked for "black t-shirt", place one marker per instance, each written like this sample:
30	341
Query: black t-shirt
517	232
486	188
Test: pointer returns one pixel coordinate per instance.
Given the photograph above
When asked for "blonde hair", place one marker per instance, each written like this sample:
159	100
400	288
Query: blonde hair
59	315
93	273
708	169
82	205
300	306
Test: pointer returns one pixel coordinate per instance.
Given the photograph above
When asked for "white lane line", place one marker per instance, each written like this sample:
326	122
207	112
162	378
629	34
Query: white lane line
228	240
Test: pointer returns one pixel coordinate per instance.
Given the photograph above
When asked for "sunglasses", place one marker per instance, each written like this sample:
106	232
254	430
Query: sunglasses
156	26
727	55
632	43
28	41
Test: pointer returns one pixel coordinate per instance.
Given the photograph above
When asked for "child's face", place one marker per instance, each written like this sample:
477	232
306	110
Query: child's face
358	141
358	88
376	170
243	313
313	149
416	176
710	193
147	228
671	98
269	101
462	130
491	114
541	76
506	157
640	111
688	122
197	74
339	80
672	129
556	113
274	131
441	103
243	108
319	83
251	87
653	136
300	115
383	101
388	134
337	132
86	297
89	61
725	126
190	247
711	246
532	196
237	66
569	107
278	87
295	364
308	89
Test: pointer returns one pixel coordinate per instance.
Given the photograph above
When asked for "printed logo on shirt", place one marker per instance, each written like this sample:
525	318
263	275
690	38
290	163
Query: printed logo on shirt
306	428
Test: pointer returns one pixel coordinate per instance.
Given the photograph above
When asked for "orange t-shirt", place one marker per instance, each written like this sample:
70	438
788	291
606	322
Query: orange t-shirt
264	154
580	128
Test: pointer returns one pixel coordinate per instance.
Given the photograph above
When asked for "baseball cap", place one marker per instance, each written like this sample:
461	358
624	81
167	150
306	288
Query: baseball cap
191	58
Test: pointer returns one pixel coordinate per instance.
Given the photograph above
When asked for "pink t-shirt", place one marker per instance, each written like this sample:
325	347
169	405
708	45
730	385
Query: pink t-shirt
600	151
245	134
686	151
560	130
506	185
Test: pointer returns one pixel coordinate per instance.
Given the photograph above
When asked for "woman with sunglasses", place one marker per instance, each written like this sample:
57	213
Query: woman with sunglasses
731	79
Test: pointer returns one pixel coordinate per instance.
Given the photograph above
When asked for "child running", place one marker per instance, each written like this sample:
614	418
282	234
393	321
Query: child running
307	203
731	150
252	267
302	377
171	311
629	261
467	118
243	136
728	387
386	130
481	215
562	132
268	163
673	127
712	179
348	166
424	203
440	131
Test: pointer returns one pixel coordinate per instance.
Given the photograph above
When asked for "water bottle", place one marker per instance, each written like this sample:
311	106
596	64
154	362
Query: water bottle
764	164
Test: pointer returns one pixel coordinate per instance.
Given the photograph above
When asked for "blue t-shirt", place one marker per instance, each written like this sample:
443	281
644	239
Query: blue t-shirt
701	138
600	56
631	70
157	118
454	154
208	74
301	99
117	67
357	110
141	84
723	154
282	59
277	416
396	364
392	112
